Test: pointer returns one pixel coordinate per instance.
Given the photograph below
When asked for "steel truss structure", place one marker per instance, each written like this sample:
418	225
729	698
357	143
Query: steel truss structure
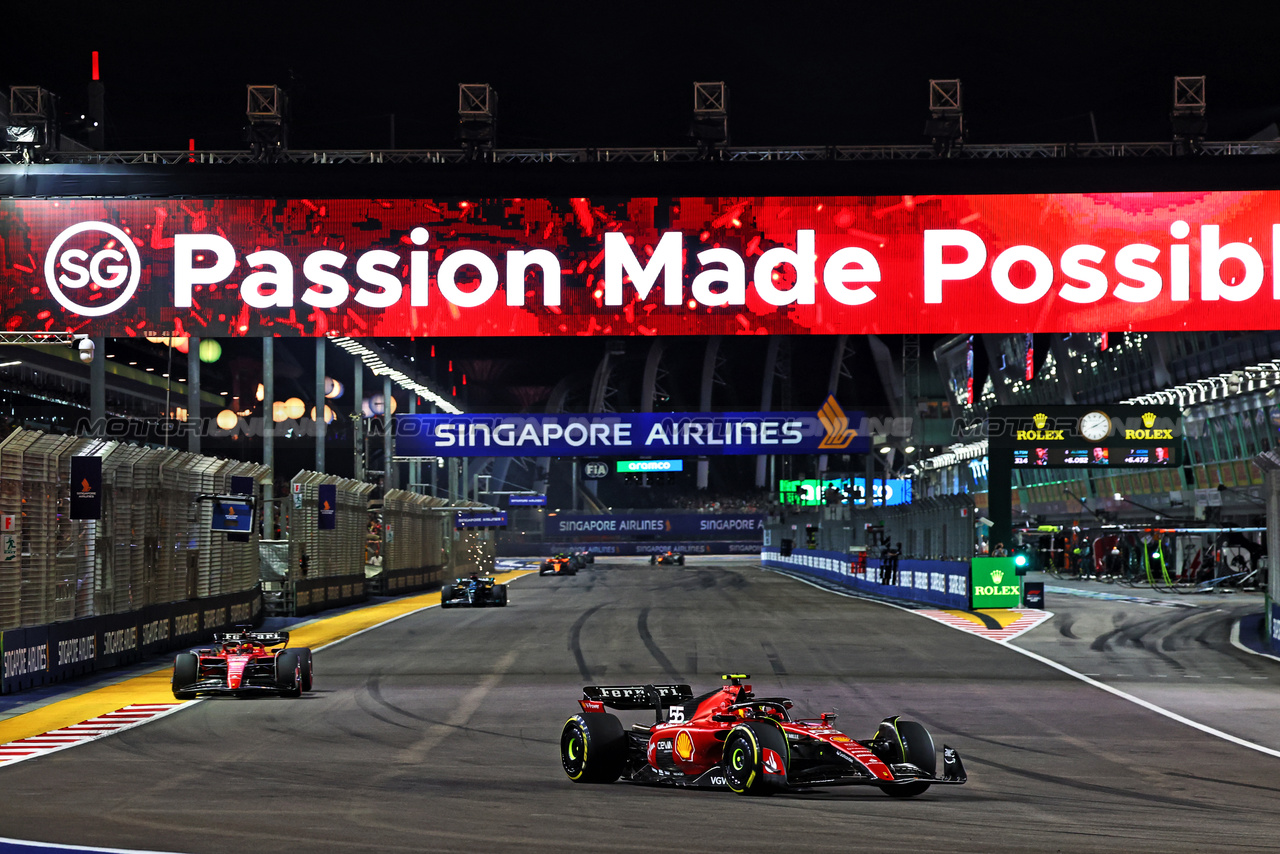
837	153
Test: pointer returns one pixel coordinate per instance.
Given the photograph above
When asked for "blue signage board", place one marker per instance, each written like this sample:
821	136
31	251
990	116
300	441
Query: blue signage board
634	434
233	516
490	519
526	500
86	487
327	500
660	524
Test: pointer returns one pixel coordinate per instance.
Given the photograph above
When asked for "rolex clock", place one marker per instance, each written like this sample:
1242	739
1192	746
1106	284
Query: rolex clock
1095	426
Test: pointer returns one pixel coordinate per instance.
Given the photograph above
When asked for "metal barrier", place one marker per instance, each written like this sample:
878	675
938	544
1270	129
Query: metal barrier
936	582
152	544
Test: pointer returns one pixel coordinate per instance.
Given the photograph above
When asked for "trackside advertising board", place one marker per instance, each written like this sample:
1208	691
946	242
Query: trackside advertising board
635	433
656	524
994	583
741	265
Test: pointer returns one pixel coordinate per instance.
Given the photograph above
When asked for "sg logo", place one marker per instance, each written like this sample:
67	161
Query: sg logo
108	268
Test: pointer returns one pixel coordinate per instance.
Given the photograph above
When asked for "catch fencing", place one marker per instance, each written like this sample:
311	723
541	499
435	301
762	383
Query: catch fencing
152	544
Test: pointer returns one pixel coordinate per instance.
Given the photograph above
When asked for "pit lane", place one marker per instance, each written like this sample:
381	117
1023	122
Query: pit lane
439	732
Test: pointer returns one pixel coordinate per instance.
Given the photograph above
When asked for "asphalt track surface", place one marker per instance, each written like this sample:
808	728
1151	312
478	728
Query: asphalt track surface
439	732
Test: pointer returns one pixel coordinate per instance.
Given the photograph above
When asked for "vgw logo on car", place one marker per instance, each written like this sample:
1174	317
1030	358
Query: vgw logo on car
89	259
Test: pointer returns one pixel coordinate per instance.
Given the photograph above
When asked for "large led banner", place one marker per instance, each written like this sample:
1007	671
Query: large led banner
632	434
642	266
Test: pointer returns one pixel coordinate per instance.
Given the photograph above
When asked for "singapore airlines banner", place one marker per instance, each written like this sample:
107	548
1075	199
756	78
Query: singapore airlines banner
633	434
642	266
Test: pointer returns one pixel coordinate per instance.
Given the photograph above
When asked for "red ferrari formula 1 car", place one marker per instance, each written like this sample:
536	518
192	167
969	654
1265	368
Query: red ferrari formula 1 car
242	663
732	738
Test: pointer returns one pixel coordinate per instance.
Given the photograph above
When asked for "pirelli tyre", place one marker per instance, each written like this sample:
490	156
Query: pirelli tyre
755	758
289	673
447	593
593	748
680	560
653	560
910	742
304	659
500	595
186	670
544	569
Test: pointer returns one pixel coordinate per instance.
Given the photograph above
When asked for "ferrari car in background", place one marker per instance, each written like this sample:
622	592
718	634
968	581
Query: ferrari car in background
560	564
667	558
474	592
730	738
242	663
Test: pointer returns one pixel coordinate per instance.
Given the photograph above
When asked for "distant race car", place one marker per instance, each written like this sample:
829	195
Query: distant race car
585	556
560	564
243	664
475	592
730	738
667	559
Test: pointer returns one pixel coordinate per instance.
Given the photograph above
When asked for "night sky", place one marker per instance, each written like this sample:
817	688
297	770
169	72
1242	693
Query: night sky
620	75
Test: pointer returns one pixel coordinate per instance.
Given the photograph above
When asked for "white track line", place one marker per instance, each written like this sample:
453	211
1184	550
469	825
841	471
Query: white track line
18	844
1235	641
1160	710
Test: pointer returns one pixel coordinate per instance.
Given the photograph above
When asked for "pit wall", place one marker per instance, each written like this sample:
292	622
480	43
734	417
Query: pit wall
943	583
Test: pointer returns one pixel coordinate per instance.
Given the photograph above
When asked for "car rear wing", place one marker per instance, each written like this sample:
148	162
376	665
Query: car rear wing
628	697
264	638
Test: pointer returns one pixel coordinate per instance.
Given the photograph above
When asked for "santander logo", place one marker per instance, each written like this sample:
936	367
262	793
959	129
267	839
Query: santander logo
88	258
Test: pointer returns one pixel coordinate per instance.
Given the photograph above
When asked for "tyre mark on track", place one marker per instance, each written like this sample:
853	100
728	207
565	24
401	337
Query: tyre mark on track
775	660
642	625
416	754
575	642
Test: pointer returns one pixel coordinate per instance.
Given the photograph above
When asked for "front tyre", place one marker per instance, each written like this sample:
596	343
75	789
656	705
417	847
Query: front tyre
755	759
447	593
912	743
186	668
593	748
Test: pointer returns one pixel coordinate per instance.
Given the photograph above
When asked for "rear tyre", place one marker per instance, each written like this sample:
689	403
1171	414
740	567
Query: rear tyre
745	768
186	669
304	659
680	560
911	743
500	595
593	748
653	560
446	593
288	673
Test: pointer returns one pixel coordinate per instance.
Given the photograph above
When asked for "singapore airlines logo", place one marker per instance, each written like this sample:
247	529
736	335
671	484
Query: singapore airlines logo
836	424
1148	419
